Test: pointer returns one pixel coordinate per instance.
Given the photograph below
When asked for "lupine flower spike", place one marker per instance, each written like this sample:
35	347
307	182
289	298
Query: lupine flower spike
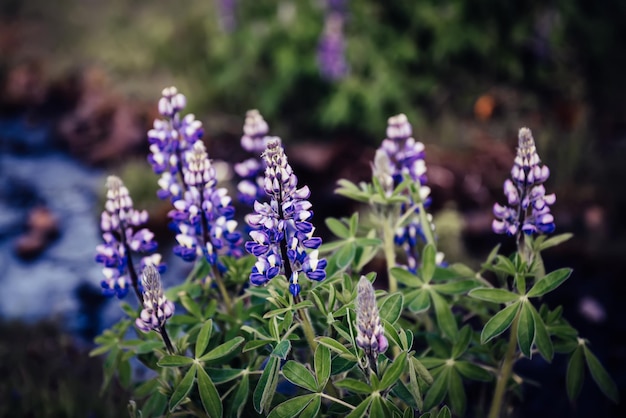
528	207
370	332
282	236
254	141
118	221
399	155
156	308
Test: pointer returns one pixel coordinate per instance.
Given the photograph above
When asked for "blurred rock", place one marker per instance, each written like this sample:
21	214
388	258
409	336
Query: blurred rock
43	228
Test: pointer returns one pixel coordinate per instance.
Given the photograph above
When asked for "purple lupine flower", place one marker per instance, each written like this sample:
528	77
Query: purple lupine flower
282	236
254	141
119	223
331	56
405	156
204	215
370	332
528	207
226	13
156	308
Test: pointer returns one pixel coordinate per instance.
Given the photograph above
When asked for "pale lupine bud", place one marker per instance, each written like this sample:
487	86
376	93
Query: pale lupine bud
370	333
382	170
156	308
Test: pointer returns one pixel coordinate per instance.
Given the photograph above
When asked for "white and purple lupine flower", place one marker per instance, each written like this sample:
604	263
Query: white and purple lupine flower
156	308
331	57
528	207
370	332
119	223
404	156
282	236
254	141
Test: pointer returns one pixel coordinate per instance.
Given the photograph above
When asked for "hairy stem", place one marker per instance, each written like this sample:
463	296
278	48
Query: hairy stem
505	371
166	340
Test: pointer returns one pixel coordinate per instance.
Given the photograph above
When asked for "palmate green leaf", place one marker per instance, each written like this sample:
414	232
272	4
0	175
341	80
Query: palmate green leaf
208	395
429	262
463	339
266	387
542	338
223	375
401	392
600	376
155	405
456	393
504	265
312	409
377	409
345	255
393	372
420	302
413	385
222	350
443	313
337	347
203	338
575	373
183	388
322	366
353	385
406	339
361	409
493	295
175	361
238	401
292	407
254	344
499	323
549	282
526	329
472	371
191	306
299	375
148	347
392	333
422	371
391	308
405	277
555	240
338	228
438	389
340	365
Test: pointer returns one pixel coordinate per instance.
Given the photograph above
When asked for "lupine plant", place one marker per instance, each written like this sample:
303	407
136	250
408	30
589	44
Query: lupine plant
245	335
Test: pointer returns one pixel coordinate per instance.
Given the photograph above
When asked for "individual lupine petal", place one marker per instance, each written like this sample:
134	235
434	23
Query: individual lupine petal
156	308
383	170
370	333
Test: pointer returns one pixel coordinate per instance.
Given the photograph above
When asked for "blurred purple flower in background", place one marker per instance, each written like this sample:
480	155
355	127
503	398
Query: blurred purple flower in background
254	140
331	56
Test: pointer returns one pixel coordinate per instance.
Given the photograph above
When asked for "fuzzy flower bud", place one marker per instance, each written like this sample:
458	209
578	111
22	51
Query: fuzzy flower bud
156	308
370	333
254	141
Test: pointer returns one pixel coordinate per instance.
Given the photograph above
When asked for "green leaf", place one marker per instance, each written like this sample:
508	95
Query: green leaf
526	330
438	390
575	373
405	277
421	302
191	306
312	409
456	393
376	409
223	375
322	366
254	344
422	372
203	338
354	385
338	228
456	288
360	410
292	407
148	347
336	347
462	342
600	376
472	371
414	386
542	338
266	387
429	256
282	349
183	388
155	405
445	318
174	361
345	255
393	372
555	240
499	323
208	395
549	282
444	413
223	350
299	375
494	295
238	402
392	308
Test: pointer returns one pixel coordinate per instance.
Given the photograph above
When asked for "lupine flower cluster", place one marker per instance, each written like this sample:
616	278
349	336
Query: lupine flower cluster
528	207
254	140
282	236
331	56
399	155
370	332
202	214
118	223
156	308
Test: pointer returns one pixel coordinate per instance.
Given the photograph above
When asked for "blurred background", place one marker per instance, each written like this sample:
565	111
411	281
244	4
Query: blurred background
79	83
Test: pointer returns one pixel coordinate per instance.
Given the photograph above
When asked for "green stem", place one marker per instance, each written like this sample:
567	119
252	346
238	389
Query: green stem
390	255
505	371
307	328
339	401
220	285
